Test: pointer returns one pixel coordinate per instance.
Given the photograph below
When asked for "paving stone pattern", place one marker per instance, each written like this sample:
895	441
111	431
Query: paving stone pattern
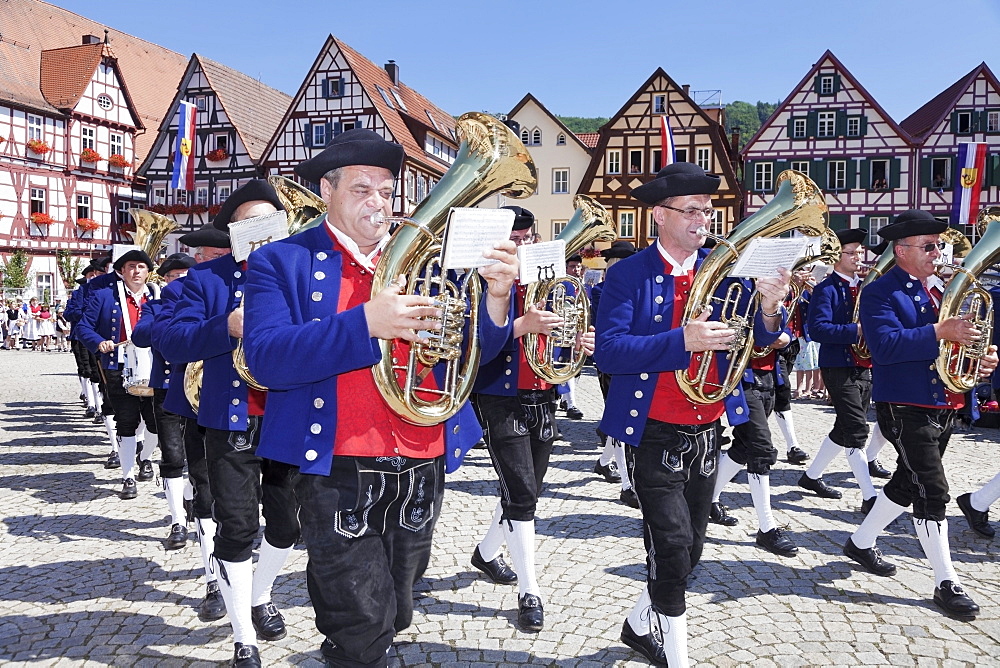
85	581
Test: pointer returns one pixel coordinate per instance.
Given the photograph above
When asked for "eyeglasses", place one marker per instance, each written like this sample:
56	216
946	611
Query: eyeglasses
692	214
860	251
927	248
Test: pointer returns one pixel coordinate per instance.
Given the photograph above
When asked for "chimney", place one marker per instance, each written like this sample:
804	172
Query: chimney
91	39
735	140
392	69
687	89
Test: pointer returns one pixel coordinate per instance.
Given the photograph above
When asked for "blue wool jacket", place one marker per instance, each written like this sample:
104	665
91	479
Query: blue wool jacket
176	402
101	320
830	322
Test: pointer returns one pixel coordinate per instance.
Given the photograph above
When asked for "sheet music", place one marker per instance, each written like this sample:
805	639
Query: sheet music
540	262
471	232
762	257
248	235
118	250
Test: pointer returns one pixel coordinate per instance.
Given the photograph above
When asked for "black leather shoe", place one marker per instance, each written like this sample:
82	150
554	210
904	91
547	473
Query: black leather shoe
867	505
876	470
648	645
496	570
609	471
979	520
530	616
822	490
212	607
574	413
268	622
128	490
90	412
177	538
776	542
245	656
870	558
718	515
83	396
796	455
98	419
951	598
113	461
145	471
629	498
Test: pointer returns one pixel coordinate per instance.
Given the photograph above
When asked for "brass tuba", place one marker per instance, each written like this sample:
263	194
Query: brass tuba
567	298
490	159
966	297
151	229
798	205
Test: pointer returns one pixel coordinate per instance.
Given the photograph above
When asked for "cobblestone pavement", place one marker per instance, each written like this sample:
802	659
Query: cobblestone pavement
84	579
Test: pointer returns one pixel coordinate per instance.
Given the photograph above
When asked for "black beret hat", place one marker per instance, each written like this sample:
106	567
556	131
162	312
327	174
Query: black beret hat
879	248
575	258
679	178
619	249
912	223
208	235
135	255
252	191
354	147
523	219
854	235
175	261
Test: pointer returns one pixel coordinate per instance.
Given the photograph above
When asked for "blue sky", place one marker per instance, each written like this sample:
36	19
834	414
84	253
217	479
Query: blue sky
583	58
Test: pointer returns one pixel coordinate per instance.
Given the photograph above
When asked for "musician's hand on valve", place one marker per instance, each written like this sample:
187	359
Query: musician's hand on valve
500	275
773	290
105	346
703	334
391	315
536	320
988	362
235	322
959	330
587	342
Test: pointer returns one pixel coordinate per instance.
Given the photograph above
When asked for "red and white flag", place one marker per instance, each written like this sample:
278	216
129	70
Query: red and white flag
667	154
183	176
969	169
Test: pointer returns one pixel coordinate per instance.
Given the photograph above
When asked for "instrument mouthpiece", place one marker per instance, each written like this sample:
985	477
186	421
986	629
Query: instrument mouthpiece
377	218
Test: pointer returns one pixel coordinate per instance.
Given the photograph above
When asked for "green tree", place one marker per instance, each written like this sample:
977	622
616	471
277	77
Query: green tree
15	270
765	110
578	124
69	267
748	118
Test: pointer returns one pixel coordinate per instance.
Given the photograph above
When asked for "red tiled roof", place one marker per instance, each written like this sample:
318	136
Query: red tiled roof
924	120
589	139
65	73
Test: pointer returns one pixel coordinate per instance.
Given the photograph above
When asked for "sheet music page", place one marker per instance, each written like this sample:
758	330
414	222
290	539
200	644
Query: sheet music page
541	262
471	232
762	257
248	235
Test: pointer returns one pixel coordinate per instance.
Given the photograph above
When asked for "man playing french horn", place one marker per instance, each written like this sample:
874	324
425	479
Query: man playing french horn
641	342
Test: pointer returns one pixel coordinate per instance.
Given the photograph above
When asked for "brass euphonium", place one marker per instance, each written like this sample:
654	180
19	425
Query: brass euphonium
559	359
966	297
884	263
798	205
150	230
490	159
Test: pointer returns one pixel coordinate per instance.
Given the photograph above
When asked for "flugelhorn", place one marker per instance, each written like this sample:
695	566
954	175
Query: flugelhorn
490	159
798	205
559	359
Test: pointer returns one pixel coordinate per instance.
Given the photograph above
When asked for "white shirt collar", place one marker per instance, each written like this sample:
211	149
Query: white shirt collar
677	268
851	280
366	261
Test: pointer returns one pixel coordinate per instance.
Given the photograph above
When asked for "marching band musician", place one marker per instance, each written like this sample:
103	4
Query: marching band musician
109	316
82	356
847	377
370	483
168	424
574	268
915	411
206	323
515	409
641	343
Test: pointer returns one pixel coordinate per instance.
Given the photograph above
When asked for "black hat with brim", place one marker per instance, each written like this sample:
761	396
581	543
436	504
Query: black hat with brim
575	258
135	255
854	235
619	249
252	191
523	219
176	261
101	262
675	180
912	223
207	236
354	147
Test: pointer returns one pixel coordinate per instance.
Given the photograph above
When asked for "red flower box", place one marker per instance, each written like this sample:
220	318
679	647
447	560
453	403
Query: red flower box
214	210
119	161
589	252
87	224
217	155
42	219
90	155
37	146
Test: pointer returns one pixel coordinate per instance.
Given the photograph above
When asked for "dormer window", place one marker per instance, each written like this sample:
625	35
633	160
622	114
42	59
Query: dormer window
398	99
385	97
826	85
525	137
536	137
659	104
561	140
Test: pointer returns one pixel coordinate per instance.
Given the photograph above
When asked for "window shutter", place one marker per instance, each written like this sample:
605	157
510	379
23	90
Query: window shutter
895	168
994	162
332	130
360	123
840	221
340	87
954	122
841	124
812	124
852	174
925	173
748	173
836	83
866	174
779	167
820	174
326	88
307	137
791	128
818	84
864	125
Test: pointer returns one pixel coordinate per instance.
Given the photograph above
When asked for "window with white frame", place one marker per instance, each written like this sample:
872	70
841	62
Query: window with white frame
704	158
659	104
717	226
635	161
965	122
433	121
386	98
652	231
941	173
159	196
201	195
655	160
763	176
536	137
222	193
560	181
43	286
411	186
82	206
117	144
180	197
826	85
201	102
318	134
124	217
525	137
557	227
87	136
438	148
421	187
561	140
681	154
880	174
222	142
35	127
854	127
800	166
827	124
399	100
993	121
876	223
836	175
614	161
105	102
799	128
626	224
37	203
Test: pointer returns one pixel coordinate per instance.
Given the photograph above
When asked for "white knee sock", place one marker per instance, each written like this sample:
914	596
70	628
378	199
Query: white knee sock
760	492
269	564
882	513
206	539
127	454
675	646
174	489
235	583
608	453
571	392
521	543
92	395
149	444
638	619
875	443
188	490
933	537
727	471
828	451
109	425
986	495
492	542
787	426
859	466
83	384
619	452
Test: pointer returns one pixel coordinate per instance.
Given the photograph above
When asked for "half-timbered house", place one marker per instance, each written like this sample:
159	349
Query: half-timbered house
237	115
344	90
628	153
